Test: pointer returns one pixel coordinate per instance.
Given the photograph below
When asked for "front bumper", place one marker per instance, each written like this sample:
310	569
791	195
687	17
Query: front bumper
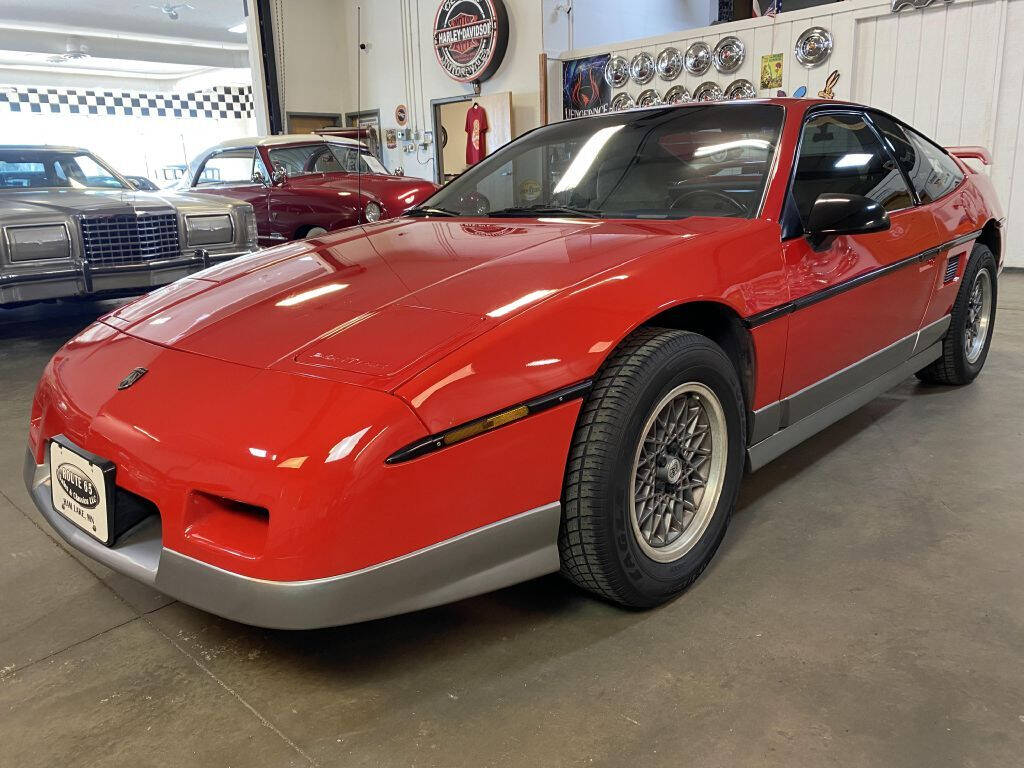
25	285
509	551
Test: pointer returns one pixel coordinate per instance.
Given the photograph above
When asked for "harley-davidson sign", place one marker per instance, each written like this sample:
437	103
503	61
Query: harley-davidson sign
470	37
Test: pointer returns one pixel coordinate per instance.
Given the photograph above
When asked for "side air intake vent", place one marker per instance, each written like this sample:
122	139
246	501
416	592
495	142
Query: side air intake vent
952	267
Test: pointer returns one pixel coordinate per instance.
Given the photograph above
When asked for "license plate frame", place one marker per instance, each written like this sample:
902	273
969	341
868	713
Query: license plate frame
82	488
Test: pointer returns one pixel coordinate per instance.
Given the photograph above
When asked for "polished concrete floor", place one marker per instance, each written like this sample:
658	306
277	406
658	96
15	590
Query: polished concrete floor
866	609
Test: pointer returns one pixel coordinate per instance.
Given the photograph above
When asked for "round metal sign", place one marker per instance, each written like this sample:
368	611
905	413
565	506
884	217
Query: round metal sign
616	72
622	101
670	63
813	47
641	68
470	38
728	54
648	98
707	91
698	58
740	89
677	94
401	114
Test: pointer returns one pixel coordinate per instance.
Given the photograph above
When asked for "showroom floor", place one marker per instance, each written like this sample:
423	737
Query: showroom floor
866	609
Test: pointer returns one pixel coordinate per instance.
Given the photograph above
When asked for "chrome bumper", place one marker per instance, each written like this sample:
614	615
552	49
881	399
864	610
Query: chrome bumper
498	555
82	280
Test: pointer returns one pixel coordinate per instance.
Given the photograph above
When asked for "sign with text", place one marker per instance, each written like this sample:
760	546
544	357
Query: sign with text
584	88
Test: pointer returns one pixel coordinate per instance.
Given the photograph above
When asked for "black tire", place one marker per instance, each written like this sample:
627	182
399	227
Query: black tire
954	367
598	546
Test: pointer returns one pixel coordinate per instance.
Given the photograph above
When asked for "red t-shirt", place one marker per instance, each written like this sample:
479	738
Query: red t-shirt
476	127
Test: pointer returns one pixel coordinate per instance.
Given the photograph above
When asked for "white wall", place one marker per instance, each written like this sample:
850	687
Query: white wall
399	67
953	70
604	22
311	38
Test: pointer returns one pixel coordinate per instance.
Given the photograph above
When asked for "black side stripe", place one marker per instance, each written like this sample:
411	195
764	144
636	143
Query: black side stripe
834	290
536	405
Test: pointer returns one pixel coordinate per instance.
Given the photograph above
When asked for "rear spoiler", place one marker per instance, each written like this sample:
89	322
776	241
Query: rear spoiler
971	153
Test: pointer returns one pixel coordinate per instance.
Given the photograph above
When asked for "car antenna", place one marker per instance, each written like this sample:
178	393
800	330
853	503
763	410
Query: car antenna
359	107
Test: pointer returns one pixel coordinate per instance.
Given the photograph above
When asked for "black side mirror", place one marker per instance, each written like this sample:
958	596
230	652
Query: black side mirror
834	213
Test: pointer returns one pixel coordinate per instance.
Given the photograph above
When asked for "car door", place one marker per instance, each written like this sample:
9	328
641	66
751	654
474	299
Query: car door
858	294
937	181
231	172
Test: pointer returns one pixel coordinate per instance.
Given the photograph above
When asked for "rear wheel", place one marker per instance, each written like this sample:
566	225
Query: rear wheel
316	232
966	344
654	468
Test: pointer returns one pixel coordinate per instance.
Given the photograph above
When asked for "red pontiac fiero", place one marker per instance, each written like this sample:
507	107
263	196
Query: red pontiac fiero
564	360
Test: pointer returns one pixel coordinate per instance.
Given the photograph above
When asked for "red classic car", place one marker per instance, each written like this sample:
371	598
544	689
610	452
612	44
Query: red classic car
304	185
565	360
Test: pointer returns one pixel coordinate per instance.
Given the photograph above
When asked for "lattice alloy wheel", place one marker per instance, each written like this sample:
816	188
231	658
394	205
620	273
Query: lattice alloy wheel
654	468
678	471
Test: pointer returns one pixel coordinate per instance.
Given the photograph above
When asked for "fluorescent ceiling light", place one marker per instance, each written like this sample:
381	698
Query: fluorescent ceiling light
853	160
714	149
314	293
522	301
238	29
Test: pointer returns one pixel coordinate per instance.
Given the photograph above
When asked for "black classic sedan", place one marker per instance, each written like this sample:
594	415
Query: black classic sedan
71	226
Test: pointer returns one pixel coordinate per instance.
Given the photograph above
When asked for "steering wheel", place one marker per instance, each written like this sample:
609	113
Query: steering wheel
712	194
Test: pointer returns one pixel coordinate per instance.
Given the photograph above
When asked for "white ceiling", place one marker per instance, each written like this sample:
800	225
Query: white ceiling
209	21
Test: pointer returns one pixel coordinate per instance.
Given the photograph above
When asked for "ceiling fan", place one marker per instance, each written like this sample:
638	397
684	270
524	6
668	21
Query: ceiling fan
171	10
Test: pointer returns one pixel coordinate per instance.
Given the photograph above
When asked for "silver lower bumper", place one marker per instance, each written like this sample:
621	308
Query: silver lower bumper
77	281
506	552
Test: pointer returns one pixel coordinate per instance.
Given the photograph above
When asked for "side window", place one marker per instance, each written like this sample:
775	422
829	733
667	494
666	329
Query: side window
233	166
841	153
913	163
945	175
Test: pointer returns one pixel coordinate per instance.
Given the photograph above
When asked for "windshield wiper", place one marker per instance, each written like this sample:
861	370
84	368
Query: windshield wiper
430	211
547	210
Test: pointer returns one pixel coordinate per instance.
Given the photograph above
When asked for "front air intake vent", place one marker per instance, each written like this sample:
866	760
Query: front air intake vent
952	267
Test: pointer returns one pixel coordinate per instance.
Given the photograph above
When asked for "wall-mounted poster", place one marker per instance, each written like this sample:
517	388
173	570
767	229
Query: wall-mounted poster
584	88
771	70
391	137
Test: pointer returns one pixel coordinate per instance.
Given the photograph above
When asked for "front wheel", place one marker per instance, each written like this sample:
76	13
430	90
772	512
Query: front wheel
654	468
315	232
965	347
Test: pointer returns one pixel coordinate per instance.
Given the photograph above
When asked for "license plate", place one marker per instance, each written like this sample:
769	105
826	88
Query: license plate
81	487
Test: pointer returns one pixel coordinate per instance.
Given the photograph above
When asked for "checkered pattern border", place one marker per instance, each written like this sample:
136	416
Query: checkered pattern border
231	102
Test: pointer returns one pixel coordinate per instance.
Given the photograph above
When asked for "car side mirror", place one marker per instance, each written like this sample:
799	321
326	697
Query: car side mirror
280	176
258	177
835	213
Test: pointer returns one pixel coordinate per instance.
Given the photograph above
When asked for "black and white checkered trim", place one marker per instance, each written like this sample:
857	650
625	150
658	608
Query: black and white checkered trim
231	102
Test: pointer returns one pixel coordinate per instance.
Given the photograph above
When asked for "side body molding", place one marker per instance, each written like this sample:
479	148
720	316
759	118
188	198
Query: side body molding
782	425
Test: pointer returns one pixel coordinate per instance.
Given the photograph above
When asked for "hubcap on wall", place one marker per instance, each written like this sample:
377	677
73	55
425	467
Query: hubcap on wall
979	314
678	471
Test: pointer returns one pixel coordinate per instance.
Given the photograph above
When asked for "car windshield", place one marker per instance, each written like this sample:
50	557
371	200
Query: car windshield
42	169
325	157
706	160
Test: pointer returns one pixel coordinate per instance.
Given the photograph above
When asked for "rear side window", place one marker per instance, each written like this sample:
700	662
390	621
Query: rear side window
841	153
932	172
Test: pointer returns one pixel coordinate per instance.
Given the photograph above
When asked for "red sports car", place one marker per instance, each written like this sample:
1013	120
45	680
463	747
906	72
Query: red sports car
565	360
304	185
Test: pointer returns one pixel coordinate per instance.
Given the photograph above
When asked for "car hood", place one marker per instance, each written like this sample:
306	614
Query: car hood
67	202
373	305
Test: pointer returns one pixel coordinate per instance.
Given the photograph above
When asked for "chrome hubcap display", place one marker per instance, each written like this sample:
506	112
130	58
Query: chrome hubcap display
678	472
979	314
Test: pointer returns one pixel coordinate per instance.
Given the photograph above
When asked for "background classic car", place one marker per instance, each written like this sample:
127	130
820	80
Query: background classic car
70	226
303	185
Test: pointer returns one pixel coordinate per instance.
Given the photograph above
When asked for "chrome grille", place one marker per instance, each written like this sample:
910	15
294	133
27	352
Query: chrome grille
952	267
128	238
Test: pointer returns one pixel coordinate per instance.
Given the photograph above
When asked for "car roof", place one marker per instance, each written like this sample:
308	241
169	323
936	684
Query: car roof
43	147
287	138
